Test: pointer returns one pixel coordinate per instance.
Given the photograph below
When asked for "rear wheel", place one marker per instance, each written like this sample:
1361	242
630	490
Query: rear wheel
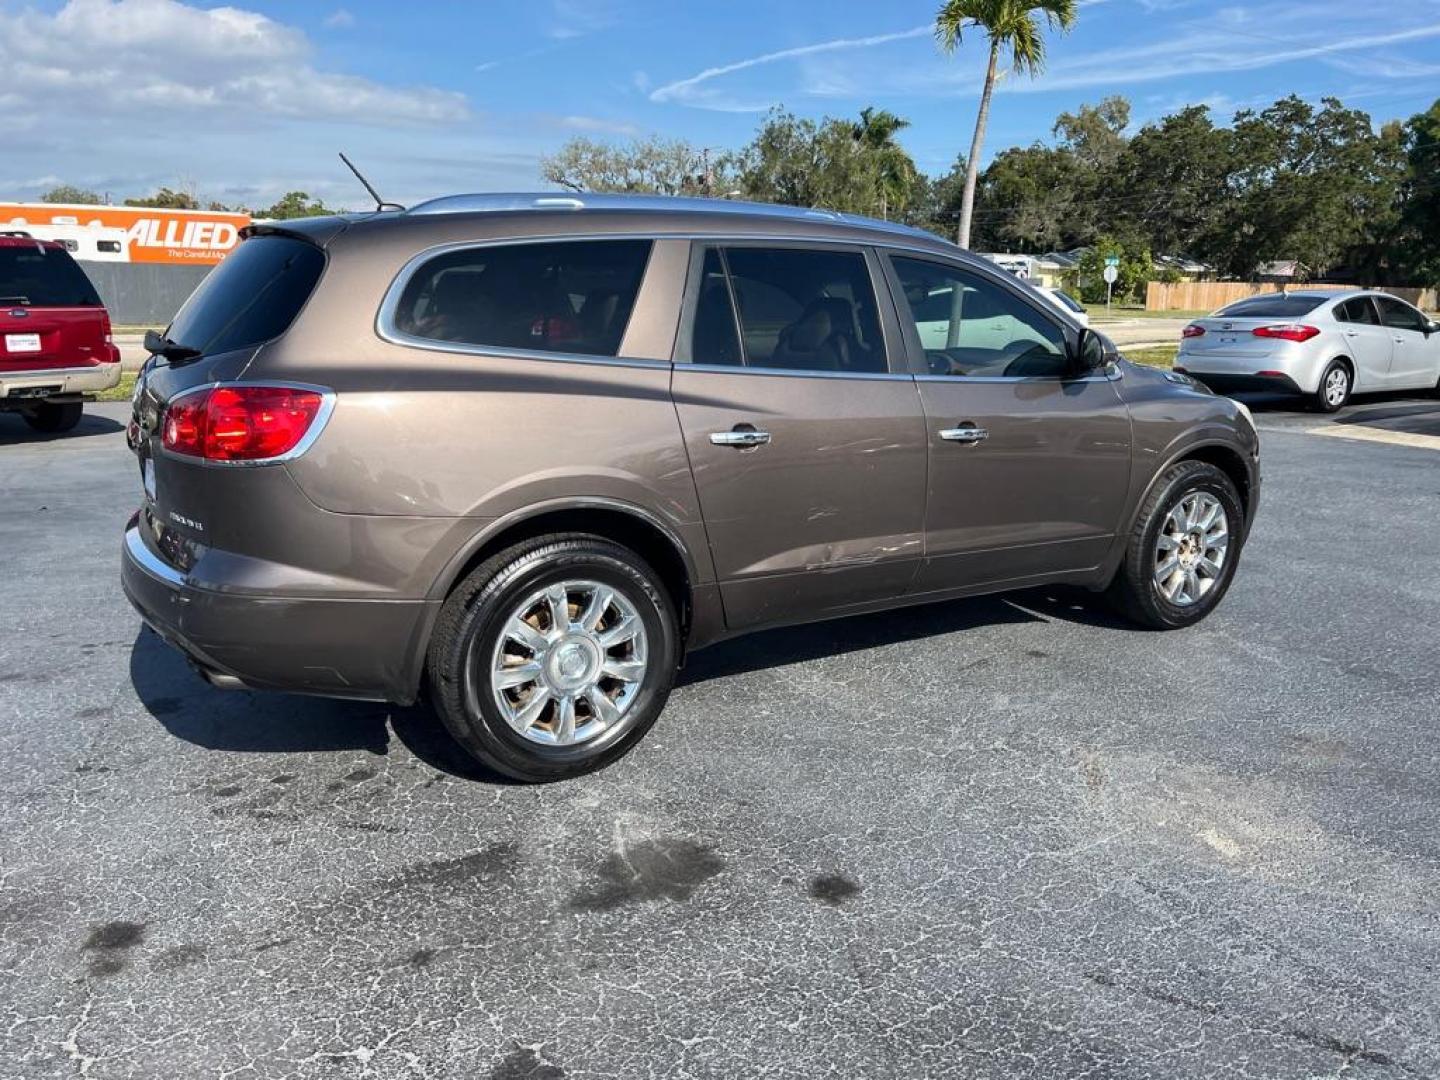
51	418
1335	387
554	658
1183	548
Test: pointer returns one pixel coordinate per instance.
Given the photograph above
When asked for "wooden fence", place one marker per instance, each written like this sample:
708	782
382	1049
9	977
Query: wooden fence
1209	295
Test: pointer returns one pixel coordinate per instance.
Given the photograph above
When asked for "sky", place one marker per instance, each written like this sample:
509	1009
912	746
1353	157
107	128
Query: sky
243	103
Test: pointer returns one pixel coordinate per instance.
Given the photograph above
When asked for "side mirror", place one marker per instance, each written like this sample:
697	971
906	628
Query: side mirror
154	342
1432	327
1094	352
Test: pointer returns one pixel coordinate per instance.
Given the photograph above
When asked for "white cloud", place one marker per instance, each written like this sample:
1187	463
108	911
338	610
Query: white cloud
577	18
158	57
1206	52
339	19
693	91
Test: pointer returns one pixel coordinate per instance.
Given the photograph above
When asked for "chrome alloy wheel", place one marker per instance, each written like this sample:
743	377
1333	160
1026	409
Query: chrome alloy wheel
1190	550
569	663
1337	386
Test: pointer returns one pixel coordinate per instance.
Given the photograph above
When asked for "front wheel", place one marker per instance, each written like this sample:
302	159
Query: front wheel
1183	548
1335	387
52	418
554	657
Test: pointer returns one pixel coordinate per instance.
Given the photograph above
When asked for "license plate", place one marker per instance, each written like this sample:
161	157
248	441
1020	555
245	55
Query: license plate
1227	339
22	343
148	477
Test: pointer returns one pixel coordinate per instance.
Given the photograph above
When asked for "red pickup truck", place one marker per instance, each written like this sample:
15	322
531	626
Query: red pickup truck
55	344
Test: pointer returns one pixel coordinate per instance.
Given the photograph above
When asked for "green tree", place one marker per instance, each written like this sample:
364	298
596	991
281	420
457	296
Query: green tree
897	179
1418	239
1307	180
1011	25
1172	184
294	204
802	163
69	193
1029	202
645	166
1135	271
167	200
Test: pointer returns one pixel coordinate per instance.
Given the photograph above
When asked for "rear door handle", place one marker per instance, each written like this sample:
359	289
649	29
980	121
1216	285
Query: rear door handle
741	437
966	433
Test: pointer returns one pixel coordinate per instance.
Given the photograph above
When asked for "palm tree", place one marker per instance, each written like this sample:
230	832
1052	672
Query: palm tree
875	133
1010	24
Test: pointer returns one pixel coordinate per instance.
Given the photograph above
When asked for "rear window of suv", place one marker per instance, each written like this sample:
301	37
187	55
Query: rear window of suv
1271	307
38	275
251	297
570	297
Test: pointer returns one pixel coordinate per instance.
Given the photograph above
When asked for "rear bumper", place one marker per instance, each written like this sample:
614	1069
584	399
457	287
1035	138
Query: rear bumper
1229	383
26	386
363	649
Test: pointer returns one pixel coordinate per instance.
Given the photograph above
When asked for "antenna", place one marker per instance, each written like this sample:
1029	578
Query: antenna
380	204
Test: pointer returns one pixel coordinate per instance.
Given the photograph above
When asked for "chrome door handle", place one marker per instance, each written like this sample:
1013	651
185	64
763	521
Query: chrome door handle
742	438
969	434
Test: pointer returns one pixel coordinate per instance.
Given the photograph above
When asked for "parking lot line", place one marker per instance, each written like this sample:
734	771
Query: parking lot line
1380	435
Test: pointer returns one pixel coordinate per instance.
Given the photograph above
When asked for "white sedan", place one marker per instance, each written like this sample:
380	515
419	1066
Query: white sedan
1324	345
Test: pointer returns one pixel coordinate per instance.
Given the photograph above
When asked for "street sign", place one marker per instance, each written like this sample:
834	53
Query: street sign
1112	272
1112	260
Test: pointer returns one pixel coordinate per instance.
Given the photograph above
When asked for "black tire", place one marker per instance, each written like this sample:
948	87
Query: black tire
1320	400
52	419
470	625
1134	592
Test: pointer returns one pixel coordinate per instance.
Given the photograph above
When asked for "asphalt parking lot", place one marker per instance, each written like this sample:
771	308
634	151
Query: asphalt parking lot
1008	837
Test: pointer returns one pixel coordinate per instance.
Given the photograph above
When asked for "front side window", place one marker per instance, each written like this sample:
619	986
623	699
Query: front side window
970	326
569	297
799	309
1357	310
1400	316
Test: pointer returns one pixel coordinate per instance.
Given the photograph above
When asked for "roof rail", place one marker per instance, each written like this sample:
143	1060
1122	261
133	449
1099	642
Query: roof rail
533	201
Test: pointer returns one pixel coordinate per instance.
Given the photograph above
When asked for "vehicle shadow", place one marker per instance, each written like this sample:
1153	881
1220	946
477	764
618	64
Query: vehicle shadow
14	430
262	722
797	644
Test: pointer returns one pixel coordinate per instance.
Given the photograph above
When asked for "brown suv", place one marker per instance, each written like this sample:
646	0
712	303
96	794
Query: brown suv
527	451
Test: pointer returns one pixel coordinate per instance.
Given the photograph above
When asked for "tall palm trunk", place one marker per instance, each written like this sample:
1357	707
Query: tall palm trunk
972	164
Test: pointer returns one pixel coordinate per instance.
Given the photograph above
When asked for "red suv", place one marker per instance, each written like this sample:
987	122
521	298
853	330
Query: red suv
55	344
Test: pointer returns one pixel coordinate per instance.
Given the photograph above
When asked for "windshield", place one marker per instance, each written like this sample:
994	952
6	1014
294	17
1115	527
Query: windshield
251	297
43	277
1272	307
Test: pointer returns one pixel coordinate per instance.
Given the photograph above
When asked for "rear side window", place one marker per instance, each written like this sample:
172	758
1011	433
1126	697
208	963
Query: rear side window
569	297
1277	306
251	297
1358	310
1400	316
42	276
799	309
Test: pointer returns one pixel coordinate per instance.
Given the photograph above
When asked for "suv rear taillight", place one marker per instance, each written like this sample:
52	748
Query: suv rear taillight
251	423
1287	331
1193	331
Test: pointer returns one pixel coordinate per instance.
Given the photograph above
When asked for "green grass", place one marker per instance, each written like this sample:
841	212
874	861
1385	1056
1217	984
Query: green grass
121	391
1161	356
1098	314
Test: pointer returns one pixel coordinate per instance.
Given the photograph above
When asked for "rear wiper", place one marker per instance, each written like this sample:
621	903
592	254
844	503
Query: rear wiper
157	343
14	299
